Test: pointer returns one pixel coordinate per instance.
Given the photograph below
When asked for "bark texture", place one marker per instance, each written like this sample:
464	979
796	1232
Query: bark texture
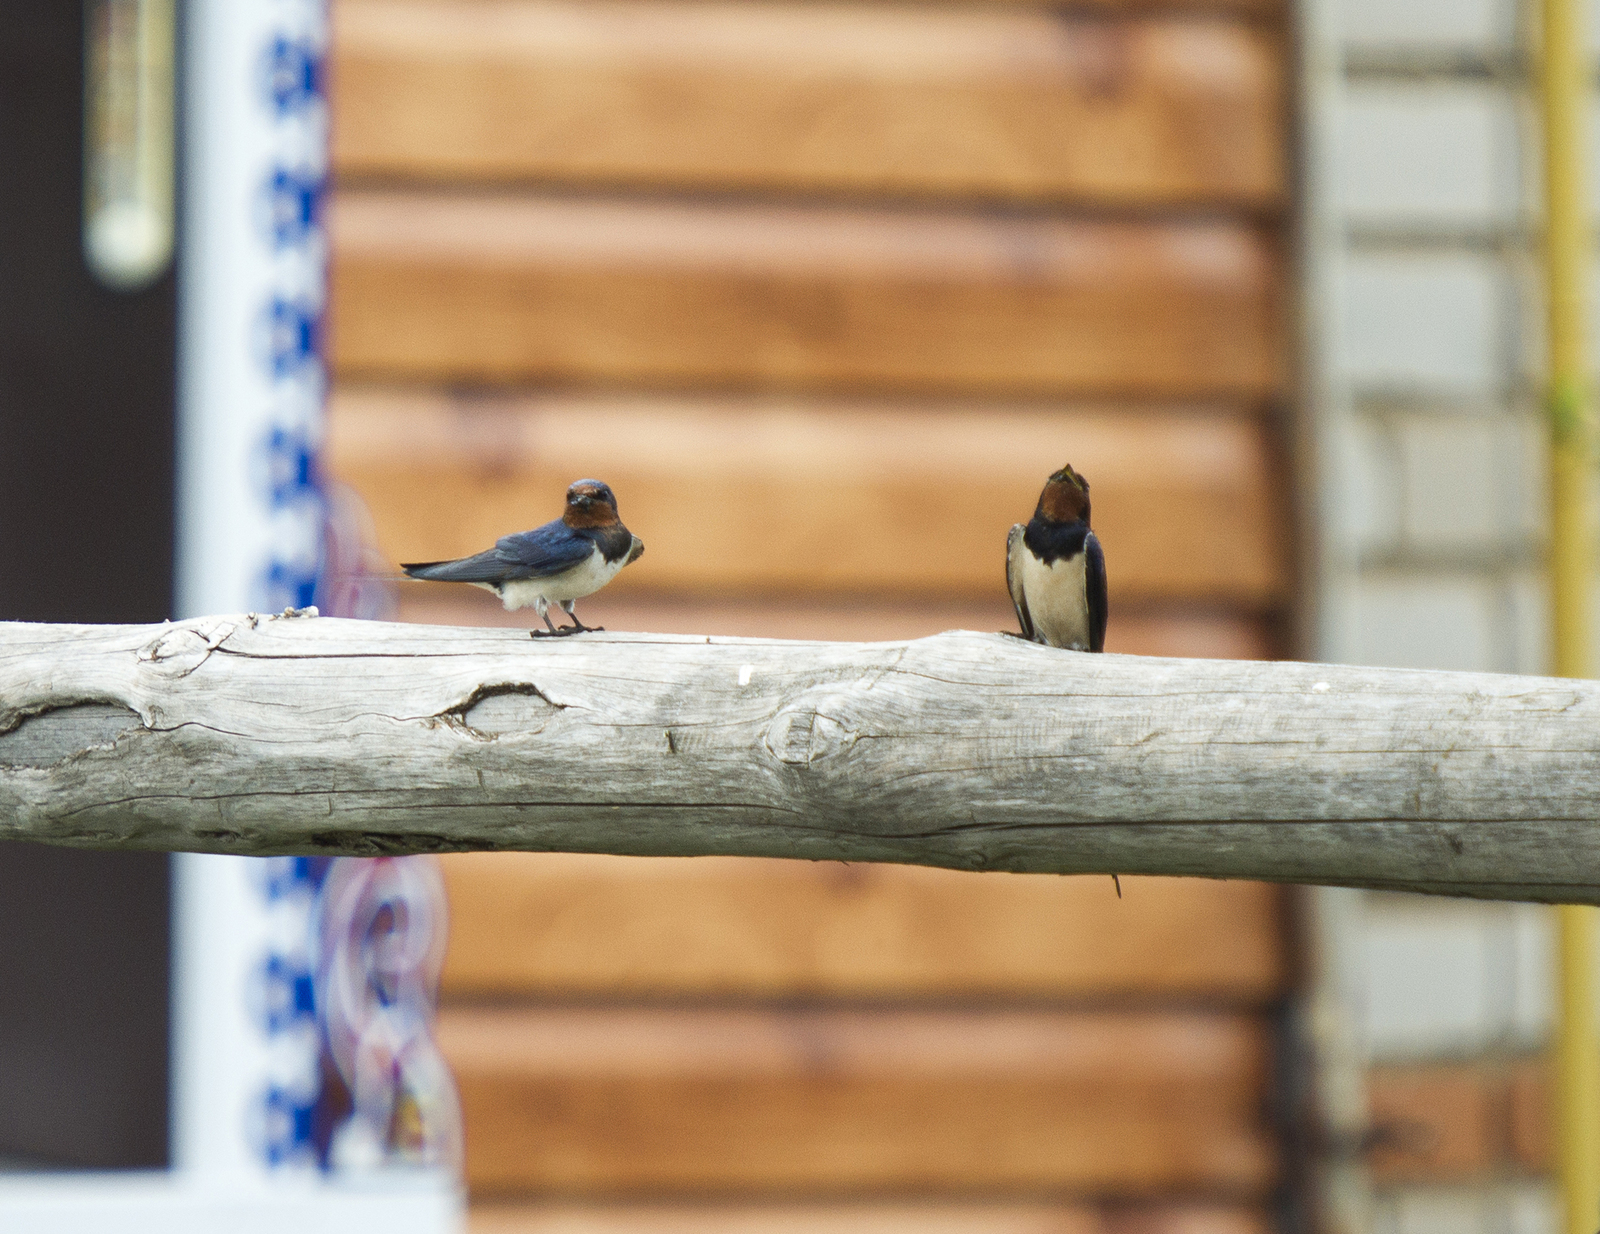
262	735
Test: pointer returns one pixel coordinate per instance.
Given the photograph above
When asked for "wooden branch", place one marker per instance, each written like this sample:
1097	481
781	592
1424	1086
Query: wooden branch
974	751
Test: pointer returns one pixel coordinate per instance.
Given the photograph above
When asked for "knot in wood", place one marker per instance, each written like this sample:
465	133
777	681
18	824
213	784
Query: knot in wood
803	733
179	650
55	734
505	708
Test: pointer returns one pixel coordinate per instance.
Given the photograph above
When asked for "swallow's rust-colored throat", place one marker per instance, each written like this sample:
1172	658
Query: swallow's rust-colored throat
1064	502
598	514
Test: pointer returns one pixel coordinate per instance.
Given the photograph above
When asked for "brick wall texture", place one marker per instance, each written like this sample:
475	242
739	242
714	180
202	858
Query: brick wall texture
1436	493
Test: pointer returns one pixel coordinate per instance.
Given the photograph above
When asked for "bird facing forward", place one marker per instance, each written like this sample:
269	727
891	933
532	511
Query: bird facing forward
1055	570
568	558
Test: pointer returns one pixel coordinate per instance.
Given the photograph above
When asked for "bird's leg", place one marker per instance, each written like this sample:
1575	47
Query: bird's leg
555	631
577	627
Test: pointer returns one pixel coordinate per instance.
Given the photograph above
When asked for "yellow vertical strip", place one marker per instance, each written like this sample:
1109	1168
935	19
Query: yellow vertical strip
1567	261
1567	258
1578	1074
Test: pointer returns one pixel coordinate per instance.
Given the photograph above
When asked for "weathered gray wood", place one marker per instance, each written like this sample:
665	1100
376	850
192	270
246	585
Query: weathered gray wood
311	735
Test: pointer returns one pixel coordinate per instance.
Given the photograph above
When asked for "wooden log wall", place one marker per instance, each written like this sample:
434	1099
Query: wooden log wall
678	1029
824	290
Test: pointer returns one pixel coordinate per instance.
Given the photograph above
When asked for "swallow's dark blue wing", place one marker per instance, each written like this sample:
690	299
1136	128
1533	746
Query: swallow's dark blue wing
1015	546
1094	586
551	549
480	568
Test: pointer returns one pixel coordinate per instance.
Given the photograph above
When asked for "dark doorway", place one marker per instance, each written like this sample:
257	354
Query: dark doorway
87	390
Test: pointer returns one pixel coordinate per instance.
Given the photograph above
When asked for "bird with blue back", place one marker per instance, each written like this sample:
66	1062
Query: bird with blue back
560	563
1056	571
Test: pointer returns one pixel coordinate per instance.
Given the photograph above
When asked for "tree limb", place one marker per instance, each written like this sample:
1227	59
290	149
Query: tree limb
974	751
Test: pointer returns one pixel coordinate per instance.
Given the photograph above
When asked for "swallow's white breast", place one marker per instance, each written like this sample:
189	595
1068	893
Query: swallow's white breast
1058	600
584	579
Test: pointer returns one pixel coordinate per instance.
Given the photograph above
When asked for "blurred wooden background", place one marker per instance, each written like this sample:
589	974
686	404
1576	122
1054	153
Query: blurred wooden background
824	291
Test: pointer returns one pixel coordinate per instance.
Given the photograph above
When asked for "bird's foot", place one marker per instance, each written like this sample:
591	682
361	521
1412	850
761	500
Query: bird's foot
557	632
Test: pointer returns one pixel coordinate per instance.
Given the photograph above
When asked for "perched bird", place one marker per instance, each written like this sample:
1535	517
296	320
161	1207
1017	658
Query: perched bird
1055	570
560	563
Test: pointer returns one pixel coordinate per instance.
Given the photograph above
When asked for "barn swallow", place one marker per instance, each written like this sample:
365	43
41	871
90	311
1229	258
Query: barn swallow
1055	570
568	558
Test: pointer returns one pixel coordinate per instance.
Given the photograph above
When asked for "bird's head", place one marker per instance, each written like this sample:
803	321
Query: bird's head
1065	498
590	503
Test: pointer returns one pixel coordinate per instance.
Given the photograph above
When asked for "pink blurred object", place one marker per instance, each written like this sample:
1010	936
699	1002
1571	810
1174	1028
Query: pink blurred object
380	931
354	579
381	935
